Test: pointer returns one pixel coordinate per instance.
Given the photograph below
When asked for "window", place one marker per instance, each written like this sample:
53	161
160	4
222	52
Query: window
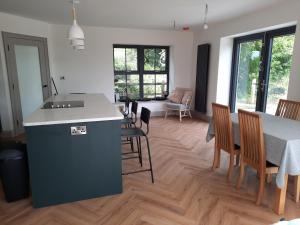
141	71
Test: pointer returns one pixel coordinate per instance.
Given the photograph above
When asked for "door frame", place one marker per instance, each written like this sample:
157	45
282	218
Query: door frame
264	70
235	64
9	40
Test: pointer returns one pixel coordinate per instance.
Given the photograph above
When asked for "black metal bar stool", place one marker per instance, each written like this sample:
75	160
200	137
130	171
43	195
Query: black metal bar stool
125	112
134	132
129	122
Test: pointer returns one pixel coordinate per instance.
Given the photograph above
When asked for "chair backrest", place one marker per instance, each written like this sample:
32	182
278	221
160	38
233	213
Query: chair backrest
187	97
145	117
288	109
127	104
223	127
134	109
252	140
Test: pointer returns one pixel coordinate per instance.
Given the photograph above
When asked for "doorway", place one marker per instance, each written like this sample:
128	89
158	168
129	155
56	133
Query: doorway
261	70
28	74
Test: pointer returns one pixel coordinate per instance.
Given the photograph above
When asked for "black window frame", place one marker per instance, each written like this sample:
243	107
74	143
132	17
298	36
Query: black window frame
140	68
266	54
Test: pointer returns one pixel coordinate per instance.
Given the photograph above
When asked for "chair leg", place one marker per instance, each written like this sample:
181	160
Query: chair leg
231	164
180	116
237	162
241	176
166	114
261	189
131	144
190	114
216	163
269	178
139	151
150	162
297	188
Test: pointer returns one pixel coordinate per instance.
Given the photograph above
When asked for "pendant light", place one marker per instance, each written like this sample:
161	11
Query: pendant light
76	35
205	26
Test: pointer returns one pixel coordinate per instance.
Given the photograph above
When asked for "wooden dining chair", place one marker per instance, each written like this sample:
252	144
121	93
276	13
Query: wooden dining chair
253	150
224	137
288	109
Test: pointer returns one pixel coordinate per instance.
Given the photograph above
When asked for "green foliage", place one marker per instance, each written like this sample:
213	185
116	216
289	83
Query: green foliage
154	59
125	59
282	51
248	67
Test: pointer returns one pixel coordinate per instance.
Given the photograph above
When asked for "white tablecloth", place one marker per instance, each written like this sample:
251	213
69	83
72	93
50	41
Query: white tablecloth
282	143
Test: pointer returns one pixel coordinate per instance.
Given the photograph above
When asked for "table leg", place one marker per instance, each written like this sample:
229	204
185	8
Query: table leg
297	188
280	197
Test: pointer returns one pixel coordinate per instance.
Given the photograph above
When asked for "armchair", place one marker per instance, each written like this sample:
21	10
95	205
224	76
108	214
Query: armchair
180	100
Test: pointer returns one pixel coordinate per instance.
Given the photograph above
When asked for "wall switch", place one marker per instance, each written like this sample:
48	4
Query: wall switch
79	130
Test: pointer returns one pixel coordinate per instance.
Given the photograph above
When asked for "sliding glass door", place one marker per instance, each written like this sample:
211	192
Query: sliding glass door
279	70
247	74
261	70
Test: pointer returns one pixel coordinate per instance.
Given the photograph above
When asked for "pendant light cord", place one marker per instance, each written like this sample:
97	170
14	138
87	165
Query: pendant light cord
206	12
73	11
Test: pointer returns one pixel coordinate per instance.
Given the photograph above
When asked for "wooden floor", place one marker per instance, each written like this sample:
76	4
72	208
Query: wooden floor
186	191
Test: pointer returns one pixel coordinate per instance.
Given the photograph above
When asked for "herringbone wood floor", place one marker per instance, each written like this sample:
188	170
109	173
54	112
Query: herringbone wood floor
186	191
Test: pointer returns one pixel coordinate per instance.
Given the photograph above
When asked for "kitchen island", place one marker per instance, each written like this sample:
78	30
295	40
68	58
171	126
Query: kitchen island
74	149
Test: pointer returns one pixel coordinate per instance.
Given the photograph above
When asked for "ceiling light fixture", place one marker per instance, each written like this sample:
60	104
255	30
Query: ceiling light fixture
174	25
76	35
205	26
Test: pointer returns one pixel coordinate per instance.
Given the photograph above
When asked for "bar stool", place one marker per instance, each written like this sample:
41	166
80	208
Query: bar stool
129	122
125	112
134	132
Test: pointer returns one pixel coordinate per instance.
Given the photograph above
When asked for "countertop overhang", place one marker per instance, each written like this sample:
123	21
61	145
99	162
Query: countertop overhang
96	108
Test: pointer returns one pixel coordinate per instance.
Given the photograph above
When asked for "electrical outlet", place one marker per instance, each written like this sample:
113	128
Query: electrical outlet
79	130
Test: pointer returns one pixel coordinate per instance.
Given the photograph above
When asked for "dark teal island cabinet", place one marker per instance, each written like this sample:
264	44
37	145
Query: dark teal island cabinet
74	149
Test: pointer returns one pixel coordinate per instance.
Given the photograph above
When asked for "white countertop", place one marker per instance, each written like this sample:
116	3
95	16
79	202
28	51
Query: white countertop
96	108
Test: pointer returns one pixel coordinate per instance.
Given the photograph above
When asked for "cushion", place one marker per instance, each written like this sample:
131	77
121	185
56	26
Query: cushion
175	106
176	96
186	96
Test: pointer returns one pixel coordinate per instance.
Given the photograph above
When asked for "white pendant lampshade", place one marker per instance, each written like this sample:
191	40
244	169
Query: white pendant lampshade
205	26
79	47
77	42
76	35
75	31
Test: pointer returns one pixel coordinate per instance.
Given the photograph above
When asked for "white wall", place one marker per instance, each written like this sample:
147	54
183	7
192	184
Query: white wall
276	16
91	70
20	25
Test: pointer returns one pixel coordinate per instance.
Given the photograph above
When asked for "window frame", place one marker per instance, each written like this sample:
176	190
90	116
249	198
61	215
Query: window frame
140	68
266	54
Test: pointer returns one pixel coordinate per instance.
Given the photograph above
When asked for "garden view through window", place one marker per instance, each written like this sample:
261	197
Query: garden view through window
141	72
261	70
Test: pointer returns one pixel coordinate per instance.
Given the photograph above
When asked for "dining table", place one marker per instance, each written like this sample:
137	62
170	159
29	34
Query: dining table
282	146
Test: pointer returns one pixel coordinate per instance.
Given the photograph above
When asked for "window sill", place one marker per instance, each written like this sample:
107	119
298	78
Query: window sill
144	101
153	101
147	100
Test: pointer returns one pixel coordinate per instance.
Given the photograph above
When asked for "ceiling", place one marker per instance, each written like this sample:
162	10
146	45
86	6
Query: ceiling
149	14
